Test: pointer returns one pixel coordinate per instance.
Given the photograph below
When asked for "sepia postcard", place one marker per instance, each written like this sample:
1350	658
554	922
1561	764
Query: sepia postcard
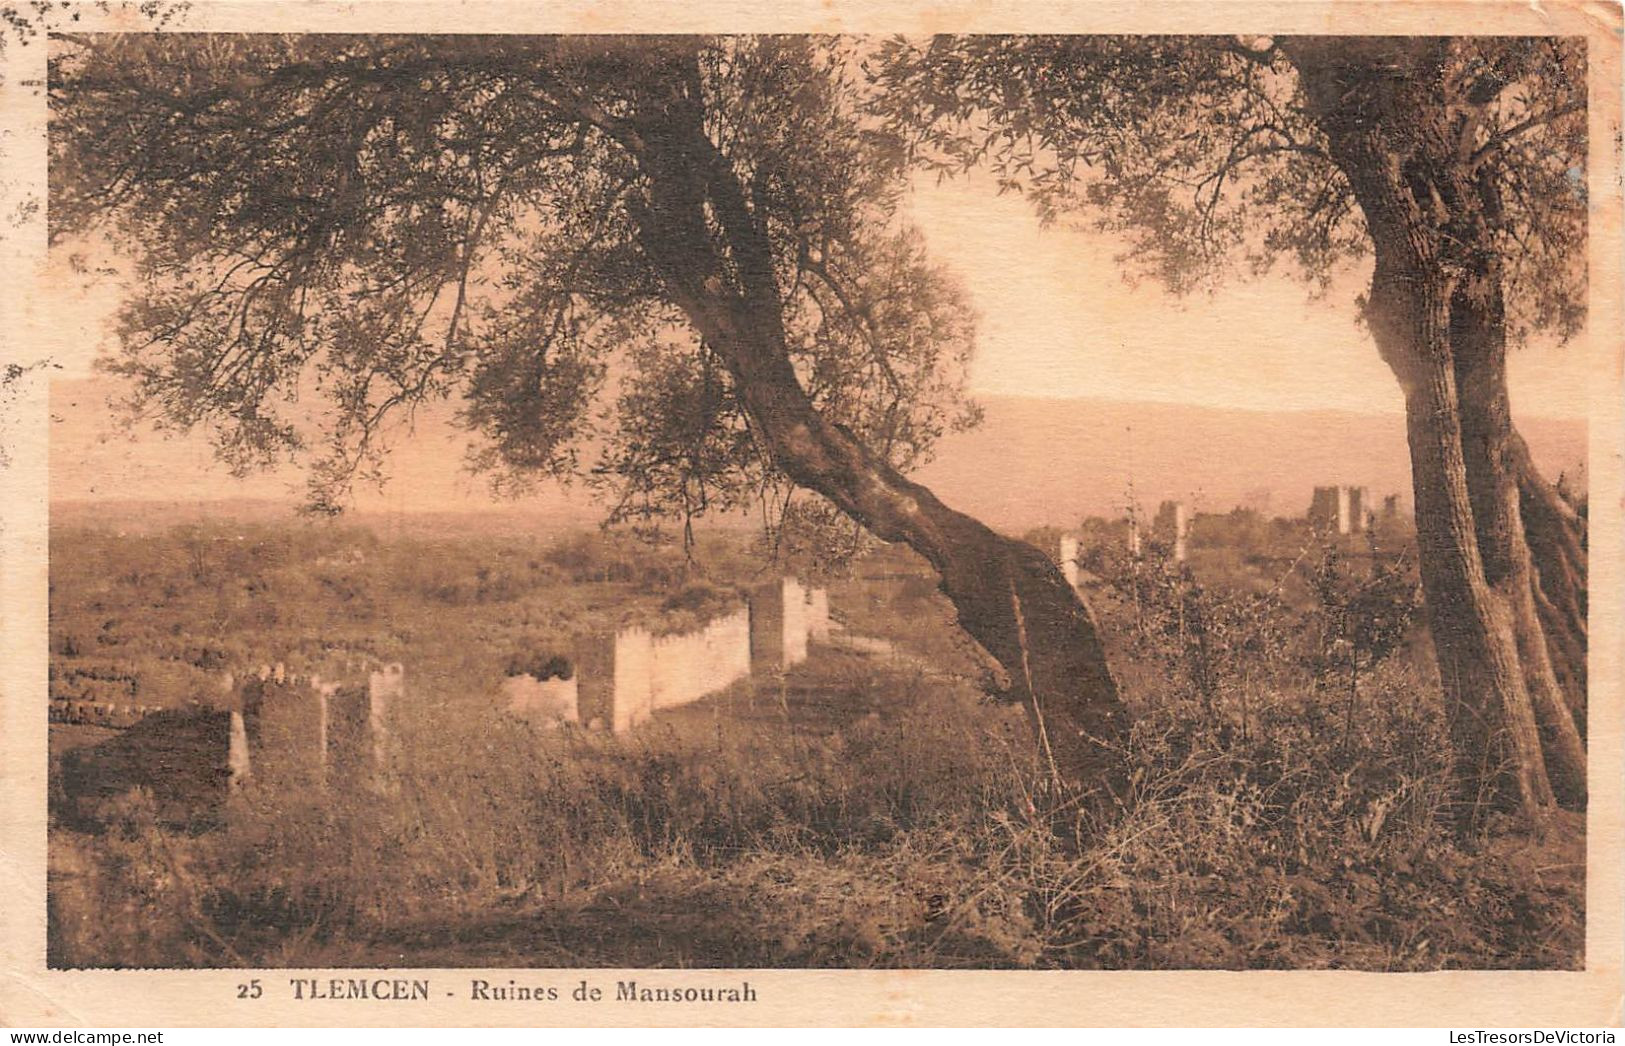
811	514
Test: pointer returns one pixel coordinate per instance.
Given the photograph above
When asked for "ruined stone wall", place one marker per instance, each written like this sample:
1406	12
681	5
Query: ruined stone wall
690	666
320	731
543	702
1347	509
336	730
1359	509
778	625
624	678
615	679
1325	511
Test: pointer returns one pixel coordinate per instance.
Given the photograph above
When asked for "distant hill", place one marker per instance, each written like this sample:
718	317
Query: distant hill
1038	461
145	516
1034	461
142	476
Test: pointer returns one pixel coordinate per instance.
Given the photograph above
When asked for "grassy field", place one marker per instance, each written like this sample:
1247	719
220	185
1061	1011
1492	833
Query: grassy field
1290	805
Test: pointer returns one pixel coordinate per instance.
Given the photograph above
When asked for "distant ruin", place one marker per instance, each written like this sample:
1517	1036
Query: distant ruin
1069	559
1172	527
1347	509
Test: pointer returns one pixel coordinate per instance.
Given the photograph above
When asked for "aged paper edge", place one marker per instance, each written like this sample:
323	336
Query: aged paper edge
31	995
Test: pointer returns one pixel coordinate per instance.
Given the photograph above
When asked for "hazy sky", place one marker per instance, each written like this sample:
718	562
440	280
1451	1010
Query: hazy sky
1057	320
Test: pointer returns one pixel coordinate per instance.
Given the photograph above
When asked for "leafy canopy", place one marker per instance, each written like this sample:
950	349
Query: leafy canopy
1206	154
383	221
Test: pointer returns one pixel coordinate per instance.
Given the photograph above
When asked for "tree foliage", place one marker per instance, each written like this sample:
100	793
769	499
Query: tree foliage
1204	152
381	222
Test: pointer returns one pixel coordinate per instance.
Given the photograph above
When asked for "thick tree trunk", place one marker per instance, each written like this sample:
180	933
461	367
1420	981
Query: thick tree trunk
1010	597
1499	756
1496	461
1392	131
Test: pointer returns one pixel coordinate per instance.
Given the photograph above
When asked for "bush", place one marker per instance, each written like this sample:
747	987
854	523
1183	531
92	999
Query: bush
541	665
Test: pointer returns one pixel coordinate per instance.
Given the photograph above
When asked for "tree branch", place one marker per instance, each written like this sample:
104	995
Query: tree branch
1499	140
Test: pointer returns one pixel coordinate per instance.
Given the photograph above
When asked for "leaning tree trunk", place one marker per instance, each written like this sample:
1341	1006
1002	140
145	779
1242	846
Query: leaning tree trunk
1009	596
1389	127
1557	539
1496	461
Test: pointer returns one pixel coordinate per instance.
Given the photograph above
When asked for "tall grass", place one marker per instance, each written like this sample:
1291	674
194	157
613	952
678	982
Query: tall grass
862	813
911	833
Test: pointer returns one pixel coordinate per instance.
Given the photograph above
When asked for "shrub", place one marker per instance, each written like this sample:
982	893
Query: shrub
541	665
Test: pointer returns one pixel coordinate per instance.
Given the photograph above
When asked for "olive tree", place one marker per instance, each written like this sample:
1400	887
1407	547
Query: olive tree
514	220
1457	167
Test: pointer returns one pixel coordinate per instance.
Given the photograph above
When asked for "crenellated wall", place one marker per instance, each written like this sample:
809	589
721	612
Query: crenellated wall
322	730
614	673
690	666
621	679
